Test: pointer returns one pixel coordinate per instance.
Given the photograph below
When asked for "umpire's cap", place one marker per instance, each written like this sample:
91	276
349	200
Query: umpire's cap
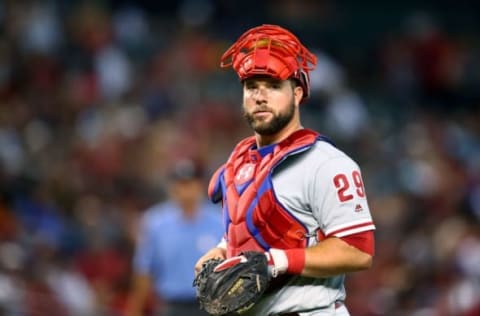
186	169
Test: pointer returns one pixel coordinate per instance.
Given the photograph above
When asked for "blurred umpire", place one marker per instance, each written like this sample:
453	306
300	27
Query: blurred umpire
173	234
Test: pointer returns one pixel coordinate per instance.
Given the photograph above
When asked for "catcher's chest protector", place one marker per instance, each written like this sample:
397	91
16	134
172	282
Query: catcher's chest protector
254	219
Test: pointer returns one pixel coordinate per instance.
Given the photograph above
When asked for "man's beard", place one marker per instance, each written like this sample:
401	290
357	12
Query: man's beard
278	122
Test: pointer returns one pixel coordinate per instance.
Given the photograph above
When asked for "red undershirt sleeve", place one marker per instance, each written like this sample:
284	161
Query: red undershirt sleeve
364	241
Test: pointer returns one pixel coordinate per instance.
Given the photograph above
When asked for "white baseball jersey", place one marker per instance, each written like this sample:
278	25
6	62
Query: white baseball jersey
323	188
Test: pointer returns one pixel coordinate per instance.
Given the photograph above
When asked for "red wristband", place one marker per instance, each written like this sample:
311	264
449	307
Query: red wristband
296	260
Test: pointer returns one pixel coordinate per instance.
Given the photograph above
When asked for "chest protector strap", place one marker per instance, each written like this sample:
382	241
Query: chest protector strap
253	217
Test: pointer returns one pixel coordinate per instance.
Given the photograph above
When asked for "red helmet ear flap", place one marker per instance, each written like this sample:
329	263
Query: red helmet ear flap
236	62
290	64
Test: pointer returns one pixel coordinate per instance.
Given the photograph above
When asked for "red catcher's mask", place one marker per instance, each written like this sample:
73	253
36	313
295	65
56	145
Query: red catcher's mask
270	50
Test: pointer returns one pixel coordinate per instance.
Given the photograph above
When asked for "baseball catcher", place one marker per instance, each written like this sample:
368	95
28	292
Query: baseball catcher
295	212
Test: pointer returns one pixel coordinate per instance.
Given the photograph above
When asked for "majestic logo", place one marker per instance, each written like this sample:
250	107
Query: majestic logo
358	208
245	173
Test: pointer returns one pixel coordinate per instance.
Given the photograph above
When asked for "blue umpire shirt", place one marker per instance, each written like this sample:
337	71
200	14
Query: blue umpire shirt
170	245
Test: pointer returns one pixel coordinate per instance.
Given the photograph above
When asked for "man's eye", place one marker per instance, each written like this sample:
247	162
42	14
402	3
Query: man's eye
251	87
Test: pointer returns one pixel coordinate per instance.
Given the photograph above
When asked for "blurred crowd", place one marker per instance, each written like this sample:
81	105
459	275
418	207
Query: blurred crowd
99	98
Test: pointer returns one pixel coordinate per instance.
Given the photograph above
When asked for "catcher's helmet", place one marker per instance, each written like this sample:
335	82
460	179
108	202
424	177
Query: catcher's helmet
272	51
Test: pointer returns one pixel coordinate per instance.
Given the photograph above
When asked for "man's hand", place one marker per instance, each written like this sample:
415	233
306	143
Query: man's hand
214	253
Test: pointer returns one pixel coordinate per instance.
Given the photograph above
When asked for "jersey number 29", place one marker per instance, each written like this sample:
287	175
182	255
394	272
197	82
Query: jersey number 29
342	184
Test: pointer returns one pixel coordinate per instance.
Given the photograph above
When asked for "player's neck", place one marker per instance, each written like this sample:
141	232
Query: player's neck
265	140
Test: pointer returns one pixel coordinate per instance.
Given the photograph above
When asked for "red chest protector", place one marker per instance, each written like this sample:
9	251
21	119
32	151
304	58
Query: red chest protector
253	218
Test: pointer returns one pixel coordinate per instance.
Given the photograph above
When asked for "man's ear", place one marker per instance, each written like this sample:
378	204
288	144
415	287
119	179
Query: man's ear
298	94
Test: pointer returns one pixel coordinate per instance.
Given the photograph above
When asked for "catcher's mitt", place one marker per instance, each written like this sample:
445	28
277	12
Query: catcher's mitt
232	286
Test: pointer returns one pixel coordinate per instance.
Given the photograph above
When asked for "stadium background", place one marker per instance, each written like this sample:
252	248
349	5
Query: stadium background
97	98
